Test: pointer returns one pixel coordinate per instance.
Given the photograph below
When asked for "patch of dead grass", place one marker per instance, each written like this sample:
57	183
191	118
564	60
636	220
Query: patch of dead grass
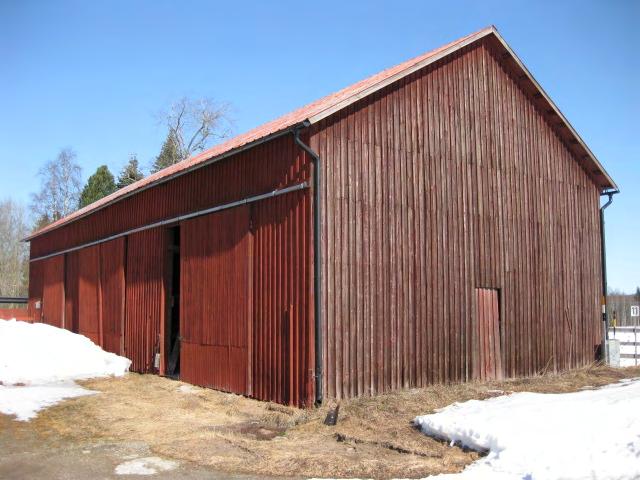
374	436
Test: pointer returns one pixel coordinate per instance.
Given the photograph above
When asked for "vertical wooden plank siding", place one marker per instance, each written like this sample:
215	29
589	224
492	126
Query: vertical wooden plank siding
89	293
71	291
215	300
36	280
145	299
53	291
282	304
446	181
112	294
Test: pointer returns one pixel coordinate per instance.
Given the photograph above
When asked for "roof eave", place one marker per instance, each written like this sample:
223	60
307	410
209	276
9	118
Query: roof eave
168	178
609	183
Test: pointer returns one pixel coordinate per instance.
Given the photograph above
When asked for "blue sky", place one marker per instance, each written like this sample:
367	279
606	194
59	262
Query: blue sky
92	75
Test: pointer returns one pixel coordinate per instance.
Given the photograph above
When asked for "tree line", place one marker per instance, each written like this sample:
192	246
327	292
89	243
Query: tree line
192	125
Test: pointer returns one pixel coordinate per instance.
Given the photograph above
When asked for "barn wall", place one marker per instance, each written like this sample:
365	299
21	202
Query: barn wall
443	182
116	289
246	300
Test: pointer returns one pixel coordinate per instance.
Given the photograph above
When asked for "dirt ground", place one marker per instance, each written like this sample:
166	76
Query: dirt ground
227	433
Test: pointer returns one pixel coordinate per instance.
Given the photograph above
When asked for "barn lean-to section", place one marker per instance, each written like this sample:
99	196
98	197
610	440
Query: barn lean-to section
458	237
245	300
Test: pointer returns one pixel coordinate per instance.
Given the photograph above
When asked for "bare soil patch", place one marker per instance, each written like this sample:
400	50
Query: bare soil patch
374	436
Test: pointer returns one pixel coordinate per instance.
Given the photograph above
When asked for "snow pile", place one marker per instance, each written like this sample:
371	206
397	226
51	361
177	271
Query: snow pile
587	434
39	363
145	466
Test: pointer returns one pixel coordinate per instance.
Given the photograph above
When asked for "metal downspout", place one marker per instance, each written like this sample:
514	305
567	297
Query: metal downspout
603	263
317	258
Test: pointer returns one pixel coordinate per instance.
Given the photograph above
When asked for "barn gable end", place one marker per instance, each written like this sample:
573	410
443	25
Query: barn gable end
448	181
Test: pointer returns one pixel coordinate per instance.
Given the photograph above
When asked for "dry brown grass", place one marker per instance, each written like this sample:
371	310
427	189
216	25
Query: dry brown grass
373	438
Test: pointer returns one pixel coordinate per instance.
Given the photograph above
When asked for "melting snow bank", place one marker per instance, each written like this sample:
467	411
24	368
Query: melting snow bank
145	466
39	363
581	435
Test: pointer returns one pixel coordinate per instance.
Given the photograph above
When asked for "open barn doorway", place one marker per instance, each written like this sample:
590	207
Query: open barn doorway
172	317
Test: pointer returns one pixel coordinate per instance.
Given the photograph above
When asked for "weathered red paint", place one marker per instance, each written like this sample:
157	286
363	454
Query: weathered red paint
17	313
489	361
283	319
449	180
215	299
53	291
145	298
89	293
112	293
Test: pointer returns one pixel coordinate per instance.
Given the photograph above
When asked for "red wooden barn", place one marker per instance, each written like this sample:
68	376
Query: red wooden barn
436	222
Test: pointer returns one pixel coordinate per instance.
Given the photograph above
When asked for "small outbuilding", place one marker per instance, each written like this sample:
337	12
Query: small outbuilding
436	222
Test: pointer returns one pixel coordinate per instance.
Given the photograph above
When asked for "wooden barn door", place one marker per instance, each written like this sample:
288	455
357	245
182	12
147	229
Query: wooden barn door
112	294
144	298
489	359
71	260
89	293
215	299
53	291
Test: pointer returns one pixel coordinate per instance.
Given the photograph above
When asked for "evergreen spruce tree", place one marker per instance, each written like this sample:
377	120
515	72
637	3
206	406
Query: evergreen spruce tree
130	173
99	185
169	154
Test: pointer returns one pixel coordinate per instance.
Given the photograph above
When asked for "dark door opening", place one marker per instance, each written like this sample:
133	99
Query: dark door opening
173	305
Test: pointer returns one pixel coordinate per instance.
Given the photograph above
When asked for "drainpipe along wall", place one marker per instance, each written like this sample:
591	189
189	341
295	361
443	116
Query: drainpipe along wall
317	258
603	256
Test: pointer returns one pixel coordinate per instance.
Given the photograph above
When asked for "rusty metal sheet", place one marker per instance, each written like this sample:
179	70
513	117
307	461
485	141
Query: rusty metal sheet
53	291
215	299
234	178
112	294
17	313
145	301
283	358
89	293
71	283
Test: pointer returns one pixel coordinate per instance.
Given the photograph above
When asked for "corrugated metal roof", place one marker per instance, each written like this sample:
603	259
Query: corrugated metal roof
311	113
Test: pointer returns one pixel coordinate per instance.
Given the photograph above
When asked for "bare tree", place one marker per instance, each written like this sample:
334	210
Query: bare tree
59	188
196	124
14	254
